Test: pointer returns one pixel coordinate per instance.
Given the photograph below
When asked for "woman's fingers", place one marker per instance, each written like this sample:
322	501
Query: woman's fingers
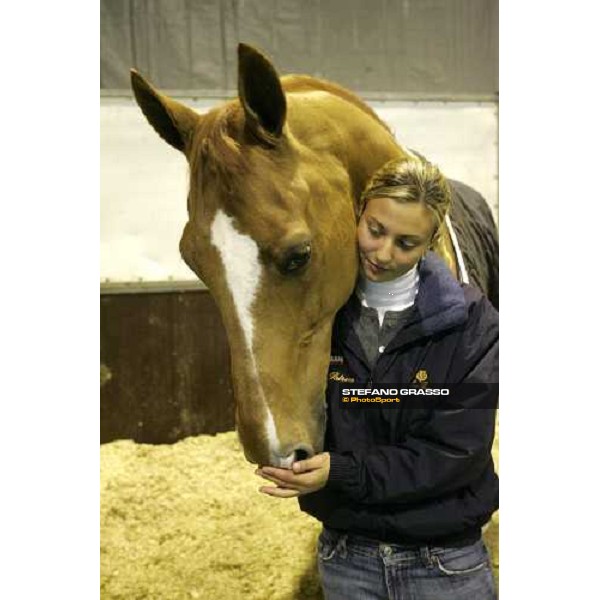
278	492
277	480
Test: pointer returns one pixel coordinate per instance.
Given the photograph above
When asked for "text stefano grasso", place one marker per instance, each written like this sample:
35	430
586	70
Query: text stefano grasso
406	391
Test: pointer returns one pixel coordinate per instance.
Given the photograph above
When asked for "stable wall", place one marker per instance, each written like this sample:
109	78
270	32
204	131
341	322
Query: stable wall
144	180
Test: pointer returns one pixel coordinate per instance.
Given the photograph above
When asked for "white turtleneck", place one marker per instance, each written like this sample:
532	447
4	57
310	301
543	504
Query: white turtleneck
395	295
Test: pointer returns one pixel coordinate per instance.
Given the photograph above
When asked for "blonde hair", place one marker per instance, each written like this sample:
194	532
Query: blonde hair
412	180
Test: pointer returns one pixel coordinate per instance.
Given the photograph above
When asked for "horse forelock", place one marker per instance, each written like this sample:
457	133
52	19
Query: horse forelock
225	157
217	142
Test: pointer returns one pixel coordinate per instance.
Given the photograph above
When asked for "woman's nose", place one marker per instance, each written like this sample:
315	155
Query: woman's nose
384	253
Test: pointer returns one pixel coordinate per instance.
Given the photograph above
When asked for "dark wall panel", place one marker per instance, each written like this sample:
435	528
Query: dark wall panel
166	367
422	48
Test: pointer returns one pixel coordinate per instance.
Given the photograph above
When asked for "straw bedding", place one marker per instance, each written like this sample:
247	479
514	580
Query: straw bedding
186	521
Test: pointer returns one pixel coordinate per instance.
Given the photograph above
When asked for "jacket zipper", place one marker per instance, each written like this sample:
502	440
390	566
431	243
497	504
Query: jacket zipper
372	372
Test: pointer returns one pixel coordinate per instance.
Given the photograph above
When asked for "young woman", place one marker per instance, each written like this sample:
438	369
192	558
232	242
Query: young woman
403	492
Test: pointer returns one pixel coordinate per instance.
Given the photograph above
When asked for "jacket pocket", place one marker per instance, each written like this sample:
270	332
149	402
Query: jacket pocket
460	561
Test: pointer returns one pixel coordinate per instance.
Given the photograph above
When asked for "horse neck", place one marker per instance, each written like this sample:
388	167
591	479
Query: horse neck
349	131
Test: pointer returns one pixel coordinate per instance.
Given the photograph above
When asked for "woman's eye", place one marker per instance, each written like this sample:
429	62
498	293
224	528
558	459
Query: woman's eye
405	245
374	232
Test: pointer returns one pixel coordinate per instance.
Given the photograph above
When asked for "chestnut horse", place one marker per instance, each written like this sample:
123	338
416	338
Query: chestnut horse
275	181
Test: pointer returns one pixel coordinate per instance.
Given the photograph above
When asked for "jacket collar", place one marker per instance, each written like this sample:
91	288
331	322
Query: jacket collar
440	305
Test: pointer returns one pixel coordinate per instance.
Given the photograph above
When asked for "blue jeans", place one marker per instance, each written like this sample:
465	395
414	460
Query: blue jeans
356	568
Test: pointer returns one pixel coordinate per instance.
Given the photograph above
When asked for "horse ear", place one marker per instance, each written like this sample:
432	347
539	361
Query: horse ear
174	122
261	94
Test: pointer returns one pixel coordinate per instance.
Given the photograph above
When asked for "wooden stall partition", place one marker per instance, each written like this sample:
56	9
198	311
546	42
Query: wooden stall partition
165	369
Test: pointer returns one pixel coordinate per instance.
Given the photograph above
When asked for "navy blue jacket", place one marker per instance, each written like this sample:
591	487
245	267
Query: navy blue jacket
414	474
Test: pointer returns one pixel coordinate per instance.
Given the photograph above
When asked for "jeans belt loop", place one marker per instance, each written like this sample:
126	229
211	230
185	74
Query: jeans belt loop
341	548
426	556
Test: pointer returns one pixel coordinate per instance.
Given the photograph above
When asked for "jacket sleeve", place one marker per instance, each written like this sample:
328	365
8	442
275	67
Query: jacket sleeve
450	448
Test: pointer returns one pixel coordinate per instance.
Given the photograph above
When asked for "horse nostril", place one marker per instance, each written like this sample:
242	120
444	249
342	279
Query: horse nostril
299	452
302	453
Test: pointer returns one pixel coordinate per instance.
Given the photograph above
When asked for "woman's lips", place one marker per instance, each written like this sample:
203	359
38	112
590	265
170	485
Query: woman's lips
374	267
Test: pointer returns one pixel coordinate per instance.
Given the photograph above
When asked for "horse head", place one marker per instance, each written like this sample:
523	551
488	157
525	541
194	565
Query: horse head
275	178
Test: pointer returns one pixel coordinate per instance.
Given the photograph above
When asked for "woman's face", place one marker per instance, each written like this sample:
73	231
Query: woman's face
392	237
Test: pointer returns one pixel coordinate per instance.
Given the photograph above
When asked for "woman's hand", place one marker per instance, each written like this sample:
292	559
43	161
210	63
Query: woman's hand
304	477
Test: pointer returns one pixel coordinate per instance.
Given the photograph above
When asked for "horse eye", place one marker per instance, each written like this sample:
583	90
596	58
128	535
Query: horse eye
296	259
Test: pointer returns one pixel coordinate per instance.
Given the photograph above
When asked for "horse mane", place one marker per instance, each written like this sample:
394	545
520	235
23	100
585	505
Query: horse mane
306	83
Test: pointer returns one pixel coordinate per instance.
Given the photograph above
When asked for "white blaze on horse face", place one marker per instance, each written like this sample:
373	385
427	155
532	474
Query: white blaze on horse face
239	255
243	272
274	446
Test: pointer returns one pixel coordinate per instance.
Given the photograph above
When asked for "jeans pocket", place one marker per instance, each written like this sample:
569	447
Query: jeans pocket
461	561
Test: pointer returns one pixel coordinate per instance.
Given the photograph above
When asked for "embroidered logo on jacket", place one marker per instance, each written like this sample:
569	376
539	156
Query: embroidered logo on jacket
336	376
421	378
336	359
